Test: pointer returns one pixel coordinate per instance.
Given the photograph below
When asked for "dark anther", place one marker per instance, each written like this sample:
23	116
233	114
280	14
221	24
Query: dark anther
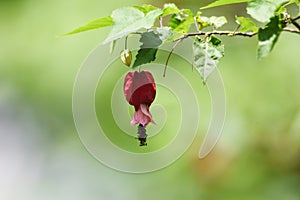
142	136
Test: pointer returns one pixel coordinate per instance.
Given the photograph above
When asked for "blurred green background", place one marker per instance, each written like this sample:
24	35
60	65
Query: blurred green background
41	156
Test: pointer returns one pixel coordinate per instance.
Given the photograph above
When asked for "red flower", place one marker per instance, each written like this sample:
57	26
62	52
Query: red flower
140	91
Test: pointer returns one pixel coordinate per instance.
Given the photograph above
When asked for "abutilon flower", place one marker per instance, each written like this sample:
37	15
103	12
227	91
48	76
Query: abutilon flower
140	91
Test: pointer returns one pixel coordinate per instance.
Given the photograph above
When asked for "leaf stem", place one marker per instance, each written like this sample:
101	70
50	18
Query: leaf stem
161	22
168	58
237	28
196	24
126	38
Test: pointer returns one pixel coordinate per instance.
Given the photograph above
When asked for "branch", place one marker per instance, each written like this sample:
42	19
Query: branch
168	58
209	33
229	33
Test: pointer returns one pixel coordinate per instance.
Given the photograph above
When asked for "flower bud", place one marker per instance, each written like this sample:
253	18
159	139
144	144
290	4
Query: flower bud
126	57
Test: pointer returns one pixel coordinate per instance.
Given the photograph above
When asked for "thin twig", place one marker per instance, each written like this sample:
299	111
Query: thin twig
295	23
168	58
196	24
193	59
291	30
161	22
296	18
237	28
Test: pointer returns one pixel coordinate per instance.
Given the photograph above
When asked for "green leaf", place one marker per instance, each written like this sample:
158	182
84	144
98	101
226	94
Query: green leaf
246	24
170	8
128	20
268	37
145	56
164	33
146	8
202	21
207	55
263	10
95	24
147	53
180	22
217	22
223	2
150	40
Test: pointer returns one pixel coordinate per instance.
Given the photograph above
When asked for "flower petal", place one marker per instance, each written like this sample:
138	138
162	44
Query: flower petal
139	88
142	116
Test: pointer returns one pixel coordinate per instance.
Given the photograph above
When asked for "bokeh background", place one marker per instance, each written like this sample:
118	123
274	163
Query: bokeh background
41	156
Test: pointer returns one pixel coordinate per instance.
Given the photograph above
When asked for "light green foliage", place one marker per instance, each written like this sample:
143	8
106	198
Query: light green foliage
207	55
128	20
214	21
246	24
217	22
136	19
95	24
146	8
164	33
202	21
181	22
263	10
268	37
224	2
170	8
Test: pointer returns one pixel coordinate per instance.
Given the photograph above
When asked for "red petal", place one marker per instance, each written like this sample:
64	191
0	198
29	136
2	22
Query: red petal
139	88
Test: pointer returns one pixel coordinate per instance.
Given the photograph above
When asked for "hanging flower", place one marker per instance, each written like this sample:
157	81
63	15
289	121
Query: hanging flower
140	91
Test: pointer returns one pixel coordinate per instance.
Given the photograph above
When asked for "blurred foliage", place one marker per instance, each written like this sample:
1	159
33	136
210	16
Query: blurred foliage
257	157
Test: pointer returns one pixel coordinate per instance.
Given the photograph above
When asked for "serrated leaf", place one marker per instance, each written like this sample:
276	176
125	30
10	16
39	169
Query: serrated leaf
147	53
246	24
150	40
268	37
180	22
223	2
263	10
281	10
128	20
164	33
207	55
170	8
217	22
202	21
95	24
146	8
145	56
